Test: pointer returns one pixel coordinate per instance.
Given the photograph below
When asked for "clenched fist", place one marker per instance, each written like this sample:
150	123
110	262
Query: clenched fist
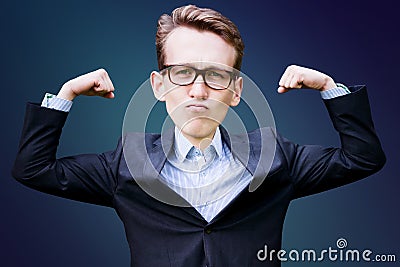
296	77
95	83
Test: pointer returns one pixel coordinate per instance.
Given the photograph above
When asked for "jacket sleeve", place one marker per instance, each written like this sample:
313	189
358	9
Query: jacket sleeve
314	168
88	177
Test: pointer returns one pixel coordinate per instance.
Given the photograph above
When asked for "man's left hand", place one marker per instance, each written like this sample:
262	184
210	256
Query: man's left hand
296	77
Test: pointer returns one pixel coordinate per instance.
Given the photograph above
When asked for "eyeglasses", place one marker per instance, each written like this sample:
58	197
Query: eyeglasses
214	78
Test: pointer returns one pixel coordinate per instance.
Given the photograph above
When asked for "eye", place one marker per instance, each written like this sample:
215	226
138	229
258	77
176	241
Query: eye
183	71
215	74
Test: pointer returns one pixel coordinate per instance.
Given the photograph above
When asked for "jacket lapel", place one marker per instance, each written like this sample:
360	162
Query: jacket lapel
256	151
157	155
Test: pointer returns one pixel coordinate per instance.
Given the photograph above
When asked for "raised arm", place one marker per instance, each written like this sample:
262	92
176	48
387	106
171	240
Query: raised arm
314	168
90	177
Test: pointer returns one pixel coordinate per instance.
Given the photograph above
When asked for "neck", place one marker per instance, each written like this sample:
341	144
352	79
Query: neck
200	142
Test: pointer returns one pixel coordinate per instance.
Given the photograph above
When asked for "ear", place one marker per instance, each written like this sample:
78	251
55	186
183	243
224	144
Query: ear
237	92
157	83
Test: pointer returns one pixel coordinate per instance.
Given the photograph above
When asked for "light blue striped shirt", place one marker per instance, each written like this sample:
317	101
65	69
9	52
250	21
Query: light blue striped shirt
54	102
208	180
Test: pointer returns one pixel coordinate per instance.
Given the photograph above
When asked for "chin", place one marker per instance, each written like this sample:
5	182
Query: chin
200	128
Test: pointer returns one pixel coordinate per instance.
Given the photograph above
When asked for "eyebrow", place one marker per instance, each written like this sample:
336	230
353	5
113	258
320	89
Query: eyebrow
207	67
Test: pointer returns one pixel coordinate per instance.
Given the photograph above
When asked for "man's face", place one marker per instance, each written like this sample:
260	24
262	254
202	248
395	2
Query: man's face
196	108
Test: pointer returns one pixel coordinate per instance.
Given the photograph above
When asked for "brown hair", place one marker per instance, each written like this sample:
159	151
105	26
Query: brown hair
202	19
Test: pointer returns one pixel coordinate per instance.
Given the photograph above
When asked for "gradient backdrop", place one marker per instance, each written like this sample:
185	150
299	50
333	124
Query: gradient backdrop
45	43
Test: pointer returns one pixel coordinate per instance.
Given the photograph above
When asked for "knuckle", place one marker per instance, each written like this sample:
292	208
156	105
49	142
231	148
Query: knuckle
102	72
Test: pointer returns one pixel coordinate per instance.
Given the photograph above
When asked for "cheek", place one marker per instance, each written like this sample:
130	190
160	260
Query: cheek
173	101
169	104
220	105
225	98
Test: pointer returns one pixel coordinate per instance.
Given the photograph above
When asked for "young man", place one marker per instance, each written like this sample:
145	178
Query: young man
199	52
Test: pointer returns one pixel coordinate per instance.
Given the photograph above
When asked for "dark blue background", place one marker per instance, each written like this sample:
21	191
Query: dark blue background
45	43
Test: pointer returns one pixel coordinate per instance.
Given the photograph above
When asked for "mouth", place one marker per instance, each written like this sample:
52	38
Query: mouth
197	107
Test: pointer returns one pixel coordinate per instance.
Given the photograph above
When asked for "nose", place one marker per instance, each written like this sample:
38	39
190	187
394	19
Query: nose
198	89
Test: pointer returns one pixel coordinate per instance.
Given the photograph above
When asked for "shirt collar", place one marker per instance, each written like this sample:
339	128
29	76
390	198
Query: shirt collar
183	146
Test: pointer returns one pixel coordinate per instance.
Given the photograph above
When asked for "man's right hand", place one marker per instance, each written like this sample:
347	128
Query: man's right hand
95	83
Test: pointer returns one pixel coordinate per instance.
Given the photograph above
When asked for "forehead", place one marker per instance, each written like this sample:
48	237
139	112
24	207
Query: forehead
187	45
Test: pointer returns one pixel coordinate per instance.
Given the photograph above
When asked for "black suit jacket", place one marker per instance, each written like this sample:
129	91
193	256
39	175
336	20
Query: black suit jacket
160	234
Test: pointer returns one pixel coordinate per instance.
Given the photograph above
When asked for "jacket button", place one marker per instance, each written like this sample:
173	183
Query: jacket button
208	231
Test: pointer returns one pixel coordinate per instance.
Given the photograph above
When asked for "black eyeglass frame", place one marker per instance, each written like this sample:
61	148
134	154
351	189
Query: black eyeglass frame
232	74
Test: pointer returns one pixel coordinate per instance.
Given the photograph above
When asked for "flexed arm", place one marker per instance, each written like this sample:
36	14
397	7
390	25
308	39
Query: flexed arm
314	168
90	177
